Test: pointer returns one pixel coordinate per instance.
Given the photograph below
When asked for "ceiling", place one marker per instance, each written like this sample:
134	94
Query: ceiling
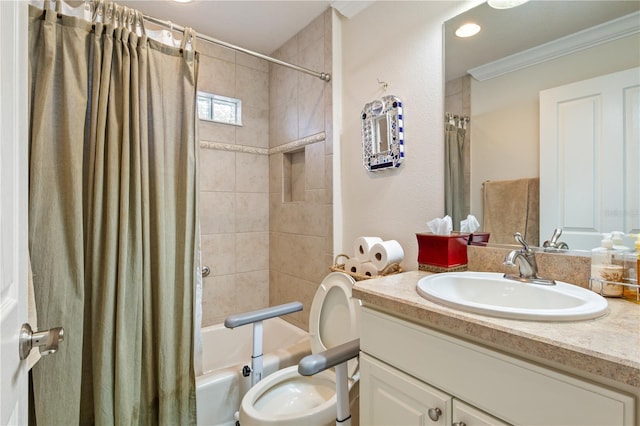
265	25
262	26
505	32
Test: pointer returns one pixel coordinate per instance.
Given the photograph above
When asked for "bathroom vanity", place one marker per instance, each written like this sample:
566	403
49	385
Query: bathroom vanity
422	363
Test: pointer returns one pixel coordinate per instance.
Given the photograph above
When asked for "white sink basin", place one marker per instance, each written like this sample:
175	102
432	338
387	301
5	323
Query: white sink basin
491	294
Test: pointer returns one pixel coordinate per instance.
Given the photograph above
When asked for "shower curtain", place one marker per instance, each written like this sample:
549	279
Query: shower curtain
113	219
454	182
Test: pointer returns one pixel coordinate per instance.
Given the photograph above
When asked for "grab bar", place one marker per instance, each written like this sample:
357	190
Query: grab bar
313	364
237	320
335	357
256	317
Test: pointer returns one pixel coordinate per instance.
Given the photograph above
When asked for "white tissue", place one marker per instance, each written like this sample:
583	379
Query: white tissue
362	247
469	225
385	253
442	226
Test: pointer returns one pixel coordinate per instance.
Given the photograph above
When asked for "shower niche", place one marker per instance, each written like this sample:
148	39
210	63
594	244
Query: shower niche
293	176
382	134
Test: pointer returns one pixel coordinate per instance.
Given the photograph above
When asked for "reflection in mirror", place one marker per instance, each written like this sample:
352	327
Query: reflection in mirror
382	134
455	140
502	98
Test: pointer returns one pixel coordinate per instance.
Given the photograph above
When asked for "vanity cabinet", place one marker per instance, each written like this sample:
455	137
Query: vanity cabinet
408	369
392	397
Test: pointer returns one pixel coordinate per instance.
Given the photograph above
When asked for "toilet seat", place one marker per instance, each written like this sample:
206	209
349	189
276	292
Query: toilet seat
276	399
285	398
334	316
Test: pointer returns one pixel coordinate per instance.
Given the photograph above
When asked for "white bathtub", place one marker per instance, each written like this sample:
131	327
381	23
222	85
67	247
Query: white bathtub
221	387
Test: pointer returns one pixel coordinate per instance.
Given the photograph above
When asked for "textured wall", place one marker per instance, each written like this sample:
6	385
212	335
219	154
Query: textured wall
234	189
301	226
399	43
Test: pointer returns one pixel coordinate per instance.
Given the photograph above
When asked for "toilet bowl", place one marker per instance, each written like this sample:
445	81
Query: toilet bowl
285	397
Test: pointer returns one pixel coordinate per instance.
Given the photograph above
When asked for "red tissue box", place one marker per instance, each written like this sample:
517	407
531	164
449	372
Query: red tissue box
446	251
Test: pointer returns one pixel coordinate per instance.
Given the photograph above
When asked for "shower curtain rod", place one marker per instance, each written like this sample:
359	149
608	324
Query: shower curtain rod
321	75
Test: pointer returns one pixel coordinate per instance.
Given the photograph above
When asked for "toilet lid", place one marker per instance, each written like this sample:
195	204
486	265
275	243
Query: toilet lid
334	316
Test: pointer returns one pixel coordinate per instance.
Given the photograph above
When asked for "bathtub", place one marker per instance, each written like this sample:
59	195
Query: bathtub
221	387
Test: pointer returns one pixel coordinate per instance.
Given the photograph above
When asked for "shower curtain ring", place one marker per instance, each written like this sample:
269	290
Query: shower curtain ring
88	6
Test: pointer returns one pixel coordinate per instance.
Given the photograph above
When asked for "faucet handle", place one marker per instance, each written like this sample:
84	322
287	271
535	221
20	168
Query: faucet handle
556	235
553	242
522	242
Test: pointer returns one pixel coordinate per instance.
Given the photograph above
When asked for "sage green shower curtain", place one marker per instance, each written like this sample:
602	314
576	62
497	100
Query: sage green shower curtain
113	221
454	188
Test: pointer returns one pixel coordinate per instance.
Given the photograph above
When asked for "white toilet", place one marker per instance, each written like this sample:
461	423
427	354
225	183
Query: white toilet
285	397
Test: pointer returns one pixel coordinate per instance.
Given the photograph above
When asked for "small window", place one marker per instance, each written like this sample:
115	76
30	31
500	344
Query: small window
220	109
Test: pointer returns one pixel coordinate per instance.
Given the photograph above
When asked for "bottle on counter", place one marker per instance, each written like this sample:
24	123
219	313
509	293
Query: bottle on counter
618	243
632	267
605	269
621	254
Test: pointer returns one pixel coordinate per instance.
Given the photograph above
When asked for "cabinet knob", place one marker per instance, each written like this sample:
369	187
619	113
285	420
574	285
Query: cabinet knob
459	424
435	413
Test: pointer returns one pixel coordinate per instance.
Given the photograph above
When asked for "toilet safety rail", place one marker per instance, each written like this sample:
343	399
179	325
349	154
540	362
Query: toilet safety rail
335	357
256	317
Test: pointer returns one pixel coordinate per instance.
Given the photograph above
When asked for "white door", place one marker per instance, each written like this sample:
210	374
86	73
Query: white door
590	158
13	209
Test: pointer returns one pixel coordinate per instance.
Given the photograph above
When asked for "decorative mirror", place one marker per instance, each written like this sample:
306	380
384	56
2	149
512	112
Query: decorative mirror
382	134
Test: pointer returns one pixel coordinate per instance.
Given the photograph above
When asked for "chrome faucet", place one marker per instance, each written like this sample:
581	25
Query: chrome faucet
525	258
553	244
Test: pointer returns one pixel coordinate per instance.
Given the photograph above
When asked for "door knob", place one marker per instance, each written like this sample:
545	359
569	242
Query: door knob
47	340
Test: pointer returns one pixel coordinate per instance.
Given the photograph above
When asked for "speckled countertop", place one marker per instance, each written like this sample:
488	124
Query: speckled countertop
608	346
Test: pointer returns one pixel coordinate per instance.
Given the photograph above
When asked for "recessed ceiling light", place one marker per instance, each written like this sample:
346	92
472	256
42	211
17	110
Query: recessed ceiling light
505	4
183	1
468	30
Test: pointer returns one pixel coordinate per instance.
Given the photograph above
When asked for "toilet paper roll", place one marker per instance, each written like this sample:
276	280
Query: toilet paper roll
368	269
385	253
362	247
352	265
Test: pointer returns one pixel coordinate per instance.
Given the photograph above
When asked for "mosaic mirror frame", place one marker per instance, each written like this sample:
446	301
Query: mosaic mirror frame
382	134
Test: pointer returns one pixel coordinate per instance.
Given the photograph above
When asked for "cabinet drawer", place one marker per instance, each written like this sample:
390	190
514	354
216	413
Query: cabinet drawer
468	415
511	389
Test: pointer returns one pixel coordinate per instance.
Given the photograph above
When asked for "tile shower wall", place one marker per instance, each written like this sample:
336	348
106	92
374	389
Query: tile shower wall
301	226
234	188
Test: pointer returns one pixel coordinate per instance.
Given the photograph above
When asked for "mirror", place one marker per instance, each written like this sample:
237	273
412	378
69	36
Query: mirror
501	98
381	139
382	134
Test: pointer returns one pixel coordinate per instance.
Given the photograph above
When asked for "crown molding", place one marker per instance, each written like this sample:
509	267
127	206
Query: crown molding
349	9
603	33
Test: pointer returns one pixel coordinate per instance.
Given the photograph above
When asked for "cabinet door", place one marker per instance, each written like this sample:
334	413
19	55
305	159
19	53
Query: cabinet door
517	391
466	415
390	397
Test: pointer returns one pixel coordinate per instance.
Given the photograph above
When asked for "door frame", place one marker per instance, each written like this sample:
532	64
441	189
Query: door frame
14	115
